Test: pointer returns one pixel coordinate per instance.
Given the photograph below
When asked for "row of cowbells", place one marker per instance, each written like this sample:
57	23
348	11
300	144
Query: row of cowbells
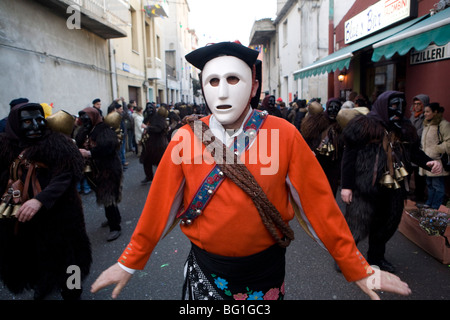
389	181
325	148
8	210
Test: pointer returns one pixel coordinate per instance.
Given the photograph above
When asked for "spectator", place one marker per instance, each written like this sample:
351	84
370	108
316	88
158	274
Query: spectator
97	104
417	117
435	142
138	118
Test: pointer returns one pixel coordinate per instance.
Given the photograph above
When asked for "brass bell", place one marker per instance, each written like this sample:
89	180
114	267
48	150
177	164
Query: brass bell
7	212
330	148
87	168
322	149
113	119
396	185
2	208
387	180
16	208
403	172
398	175
61	121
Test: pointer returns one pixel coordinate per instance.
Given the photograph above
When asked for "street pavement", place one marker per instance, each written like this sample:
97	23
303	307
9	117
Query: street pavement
310	271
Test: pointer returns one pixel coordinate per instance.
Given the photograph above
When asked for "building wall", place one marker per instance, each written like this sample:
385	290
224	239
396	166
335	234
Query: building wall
178	40
43	60
314	46
289	53
431	79
130	58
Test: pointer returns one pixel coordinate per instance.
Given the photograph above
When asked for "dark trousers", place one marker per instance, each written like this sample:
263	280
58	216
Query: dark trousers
388	214
113	216
148	170
420	185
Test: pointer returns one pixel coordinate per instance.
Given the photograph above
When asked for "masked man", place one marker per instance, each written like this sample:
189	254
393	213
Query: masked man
322	133
99	145
154	142
235	209
42	230
379	149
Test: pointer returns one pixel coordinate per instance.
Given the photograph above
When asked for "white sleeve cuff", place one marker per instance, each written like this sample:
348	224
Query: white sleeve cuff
129	270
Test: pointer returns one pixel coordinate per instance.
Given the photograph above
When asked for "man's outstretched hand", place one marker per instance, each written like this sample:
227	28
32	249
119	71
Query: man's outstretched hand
383	281
113	275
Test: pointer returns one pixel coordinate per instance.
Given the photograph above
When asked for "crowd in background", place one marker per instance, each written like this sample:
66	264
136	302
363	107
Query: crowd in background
146	132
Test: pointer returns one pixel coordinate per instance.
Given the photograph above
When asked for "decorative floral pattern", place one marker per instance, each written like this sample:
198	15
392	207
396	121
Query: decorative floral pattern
221	283
272	294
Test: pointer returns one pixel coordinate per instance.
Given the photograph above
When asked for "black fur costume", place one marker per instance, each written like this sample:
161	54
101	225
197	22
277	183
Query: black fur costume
36	254
107	174
154	141
317	127
376	210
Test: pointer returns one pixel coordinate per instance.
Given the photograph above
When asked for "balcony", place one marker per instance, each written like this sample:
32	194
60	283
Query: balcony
154	9
154	68
262	31
102	17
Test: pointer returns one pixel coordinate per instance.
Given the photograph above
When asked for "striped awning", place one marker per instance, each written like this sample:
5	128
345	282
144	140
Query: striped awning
434	29
340	59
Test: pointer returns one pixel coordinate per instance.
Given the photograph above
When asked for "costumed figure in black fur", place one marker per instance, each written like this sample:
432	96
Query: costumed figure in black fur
323	135
42	227
154	141
268	104
379	150
99	145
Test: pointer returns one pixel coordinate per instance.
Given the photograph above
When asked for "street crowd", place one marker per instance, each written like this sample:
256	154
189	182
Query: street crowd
368	149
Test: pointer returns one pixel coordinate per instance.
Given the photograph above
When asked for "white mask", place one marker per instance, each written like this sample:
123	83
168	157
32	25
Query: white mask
227	87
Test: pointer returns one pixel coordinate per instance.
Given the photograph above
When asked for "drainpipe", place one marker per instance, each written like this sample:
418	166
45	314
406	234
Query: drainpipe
331	46
112	62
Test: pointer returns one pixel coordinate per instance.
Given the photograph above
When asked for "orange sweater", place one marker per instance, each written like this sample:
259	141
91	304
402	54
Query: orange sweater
230	224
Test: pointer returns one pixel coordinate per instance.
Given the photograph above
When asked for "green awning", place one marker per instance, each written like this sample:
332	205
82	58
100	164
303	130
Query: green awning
433	29
334	61
341	58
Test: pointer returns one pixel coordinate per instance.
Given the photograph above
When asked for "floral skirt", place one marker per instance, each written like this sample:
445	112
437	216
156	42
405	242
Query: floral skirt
256	277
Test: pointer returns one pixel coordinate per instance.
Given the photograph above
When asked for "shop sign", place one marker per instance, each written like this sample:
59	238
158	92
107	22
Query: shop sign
430	54
377	17
125	67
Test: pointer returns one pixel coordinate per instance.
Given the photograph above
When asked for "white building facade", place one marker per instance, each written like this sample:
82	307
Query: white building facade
57	52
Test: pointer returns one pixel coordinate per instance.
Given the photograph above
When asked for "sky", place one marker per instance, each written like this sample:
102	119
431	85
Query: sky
228	20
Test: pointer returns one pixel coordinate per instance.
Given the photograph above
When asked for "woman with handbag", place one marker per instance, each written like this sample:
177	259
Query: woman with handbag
436	144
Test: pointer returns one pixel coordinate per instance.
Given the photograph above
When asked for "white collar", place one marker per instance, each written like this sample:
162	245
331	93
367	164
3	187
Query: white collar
226	135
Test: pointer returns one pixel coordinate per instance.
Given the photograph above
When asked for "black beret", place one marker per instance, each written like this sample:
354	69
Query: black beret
198	58
17	101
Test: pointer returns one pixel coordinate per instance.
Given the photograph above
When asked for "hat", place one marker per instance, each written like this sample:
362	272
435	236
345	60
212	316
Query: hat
95	101
198	58
15	102
423	98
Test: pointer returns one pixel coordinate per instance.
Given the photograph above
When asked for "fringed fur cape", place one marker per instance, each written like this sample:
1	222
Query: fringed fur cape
36	254
365	161
107	173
